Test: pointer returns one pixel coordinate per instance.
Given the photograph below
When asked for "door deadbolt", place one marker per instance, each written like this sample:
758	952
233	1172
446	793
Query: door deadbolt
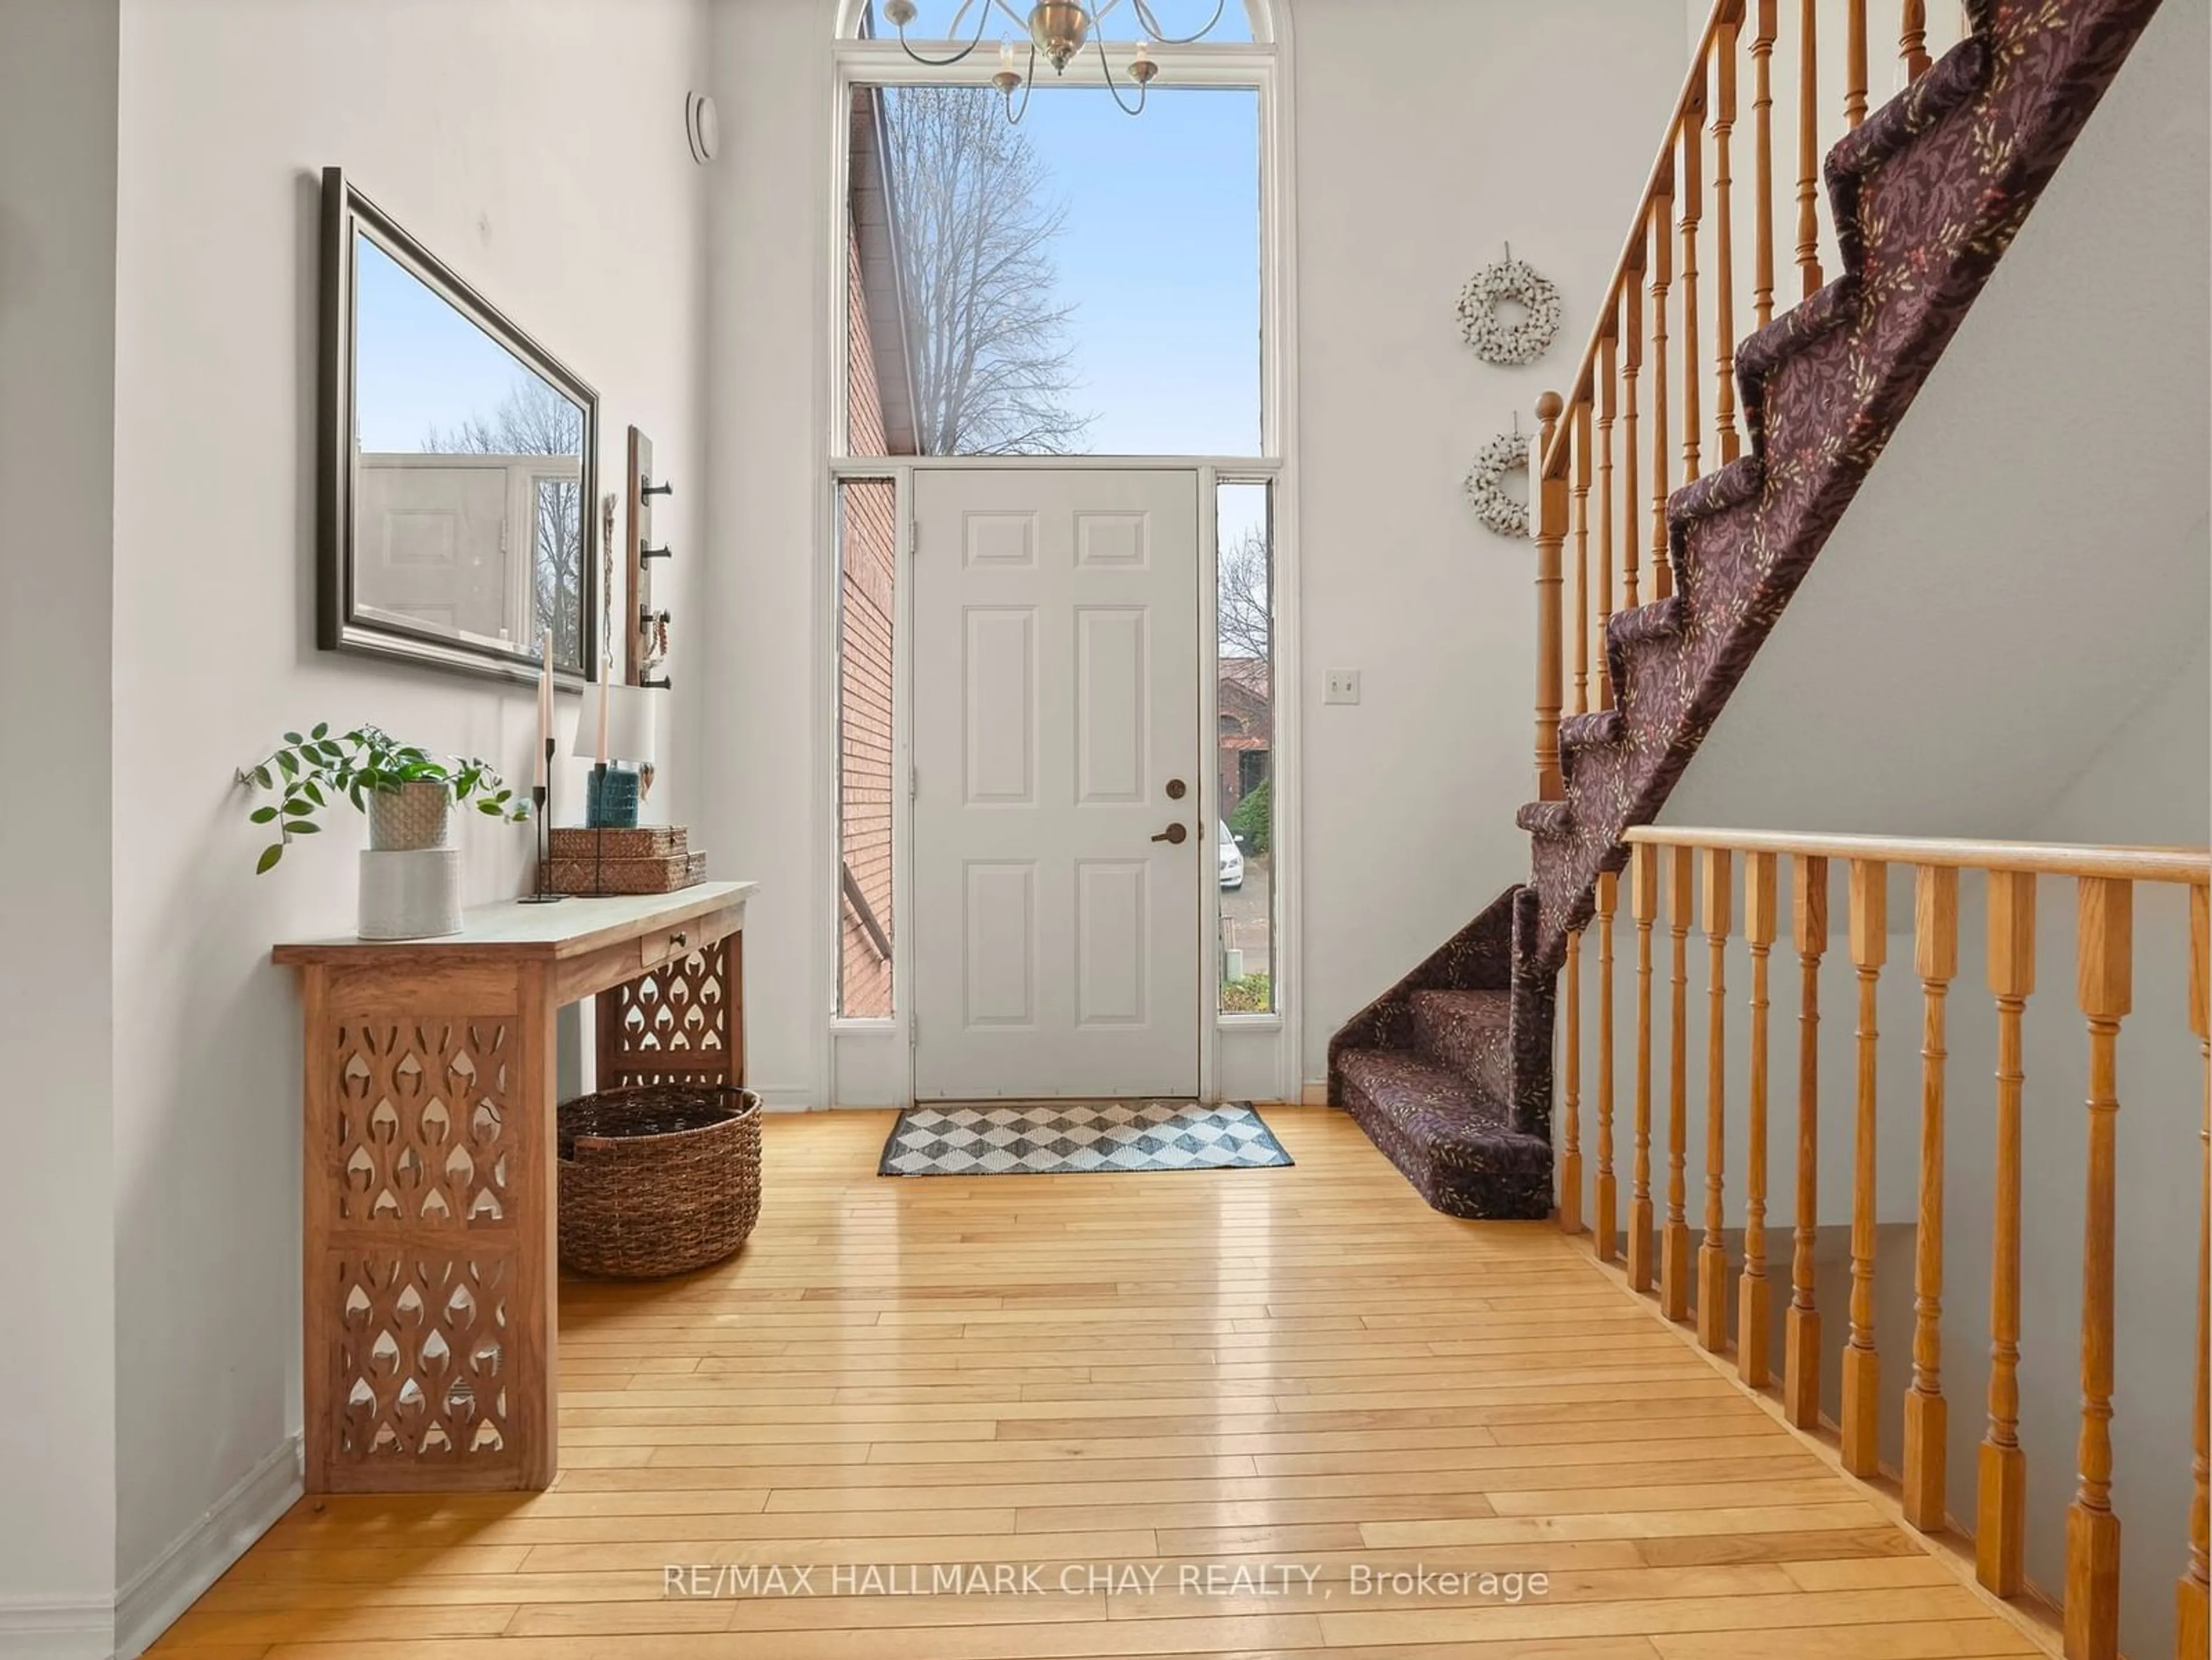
1174	835
1176	790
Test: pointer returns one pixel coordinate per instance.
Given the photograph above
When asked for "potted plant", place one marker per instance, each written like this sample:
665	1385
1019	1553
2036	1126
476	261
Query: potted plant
408	793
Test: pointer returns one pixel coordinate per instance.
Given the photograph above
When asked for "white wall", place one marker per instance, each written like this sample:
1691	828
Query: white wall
56	453
538	149
1416	161
767	344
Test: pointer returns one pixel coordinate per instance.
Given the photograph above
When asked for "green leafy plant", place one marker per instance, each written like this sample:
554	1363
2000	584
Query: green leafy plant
315	770
1252	994
1254	819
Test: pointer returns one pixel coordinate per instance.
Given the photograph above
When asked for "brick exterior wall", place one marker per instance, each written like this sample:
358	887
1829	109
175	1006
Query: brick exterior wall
870	561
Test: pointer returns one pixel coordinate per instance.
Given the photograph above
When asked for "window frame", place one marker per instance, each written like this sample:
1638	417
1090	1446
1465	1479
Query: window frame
1258	1056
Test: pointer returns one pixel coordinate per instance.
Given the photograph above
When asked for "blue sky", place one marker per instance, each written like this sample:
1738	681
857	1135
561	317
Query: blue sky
1161	257
421	363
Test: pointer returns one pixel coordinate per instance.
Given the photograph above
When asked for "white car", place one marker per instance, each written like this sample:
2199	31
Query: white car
1232	862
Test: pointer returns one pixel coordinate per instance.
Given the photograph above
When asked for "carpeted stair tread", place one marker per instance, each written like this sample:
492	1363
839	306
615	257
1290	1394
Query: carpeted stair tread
1468	1032
1453	1143
1554	818
1578	732
1660	620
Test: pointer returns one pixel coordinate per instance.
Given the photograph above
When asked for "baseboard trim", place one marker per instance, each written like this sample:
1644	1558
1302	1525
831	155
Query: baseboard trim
79	1629
785	1100
173	1581
1313	1092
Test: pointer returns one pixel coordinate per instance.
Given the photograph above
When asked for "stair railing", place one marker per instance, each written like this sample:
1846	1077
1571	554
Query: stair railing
1689	1271
1633	428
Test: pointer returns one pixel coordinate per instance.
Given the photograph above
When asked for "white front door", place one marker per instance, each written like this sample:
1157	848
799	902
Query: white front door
1056	949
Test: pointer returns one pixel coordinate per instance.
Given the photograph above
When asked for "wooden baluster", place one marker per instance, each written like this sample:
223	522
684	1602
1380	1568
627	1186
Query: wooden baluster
2192	1626
1724	433
1913	38
1808	147
1570	1104
2001	1484
1927	1414
1580	432
2104	965
1631	368
1644	908
1762	166
1752	1319
1663	279
1801	1327
1862	1421
1712	1250
1606	1227
1855	62
1607	391
1550	536
1692	179
1675	1243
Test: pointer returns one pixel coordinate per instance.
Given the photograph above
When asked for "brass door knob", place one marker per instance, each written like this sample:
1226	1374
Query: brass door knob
1173	835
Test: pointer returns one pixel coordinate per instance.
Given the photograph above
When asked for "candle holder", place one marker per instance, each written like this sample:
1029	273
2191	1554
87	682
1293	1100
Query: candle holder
541	796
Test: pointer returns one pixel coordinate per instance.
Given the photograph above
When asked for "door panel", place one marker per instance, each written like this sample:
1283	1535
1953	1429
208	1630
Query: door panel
1056	942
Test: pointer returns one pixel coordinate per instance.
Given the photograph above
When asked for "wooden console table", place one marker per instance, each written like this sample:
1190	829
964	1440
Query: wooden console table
431	1266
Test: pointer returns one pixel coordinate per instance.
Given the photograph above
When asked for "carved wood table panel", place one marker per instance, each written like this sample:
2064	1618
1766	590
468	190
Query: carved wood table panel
431	1265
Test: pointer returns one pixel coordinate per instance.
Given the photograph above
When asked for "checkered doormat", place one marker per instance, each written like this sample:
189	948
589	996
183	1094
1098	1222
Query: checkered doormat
1056	1138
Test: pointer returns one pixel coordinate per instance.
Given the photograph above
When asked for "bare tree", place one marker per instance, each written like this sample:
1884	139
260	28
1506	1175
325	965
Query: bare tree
536	419
1243	625
992	368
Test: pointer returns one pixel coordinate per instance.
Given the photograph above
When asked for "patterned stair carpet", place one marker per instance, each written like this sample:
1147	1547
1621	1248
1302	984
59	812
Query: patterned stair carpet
1928	194
1428	1070
1065	1137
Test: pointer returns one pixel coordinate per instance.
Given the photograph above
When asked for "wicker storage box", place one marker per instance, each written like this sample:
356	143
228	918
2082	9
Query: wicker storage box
608	874
658	1180
645	841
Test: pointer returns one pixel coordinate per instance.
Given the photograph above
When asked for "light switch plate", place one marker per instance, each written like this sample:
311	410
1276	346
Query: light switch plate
1343	686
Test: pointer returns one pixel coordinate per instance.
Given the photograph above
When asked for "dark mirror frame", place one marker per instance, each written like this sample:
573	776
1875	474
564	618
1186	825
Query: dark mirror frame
338	626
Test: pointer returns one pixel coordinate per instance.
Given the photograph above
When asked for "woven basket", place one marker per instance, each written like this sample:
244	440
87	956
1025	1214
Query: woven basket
410	817
658	1180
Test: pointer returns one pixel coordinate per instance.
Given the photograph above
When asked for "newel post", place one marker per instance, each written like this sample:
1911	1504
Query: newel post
1549	498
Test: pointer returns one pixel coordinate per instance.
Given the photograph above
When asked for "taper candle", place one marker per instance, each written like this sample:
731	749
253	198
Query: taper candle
606	672
537	751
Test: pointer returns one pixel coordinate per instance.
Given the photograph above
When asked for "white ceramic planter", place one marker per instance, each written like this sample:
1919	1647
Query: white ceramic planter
409	893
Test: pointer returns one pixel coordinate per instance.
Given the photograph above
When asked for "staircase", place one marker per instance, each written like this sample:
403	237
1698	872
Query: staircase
1922	197
1449	1071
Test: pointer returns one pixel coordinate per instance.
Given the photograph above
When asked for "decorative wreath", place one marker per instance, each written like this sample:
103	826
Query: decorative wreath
1499	512
1496	342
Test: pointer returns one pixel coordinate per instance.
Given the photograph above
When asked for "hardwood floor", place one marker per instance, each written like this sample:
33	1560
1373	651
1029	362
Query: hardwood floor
1151	1379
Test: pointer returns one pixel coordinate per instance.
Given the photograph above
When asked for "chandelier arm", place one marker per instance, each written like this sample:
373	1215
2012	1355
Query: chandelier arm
1107	68
1028	85
1159	38
982	22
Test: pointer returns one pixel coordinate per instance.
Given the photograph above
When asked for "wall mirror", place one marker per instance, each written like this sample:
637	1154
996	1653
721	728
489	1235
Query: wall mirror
458	466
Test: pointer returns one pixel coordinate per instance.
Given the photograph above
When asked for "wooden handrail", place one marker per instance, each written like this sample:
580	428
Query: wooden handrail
1693	875
2184	864
1631	261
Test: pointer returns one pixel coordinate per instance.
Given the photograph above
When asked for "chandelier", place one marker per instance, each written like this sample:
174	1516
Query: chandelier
1060	29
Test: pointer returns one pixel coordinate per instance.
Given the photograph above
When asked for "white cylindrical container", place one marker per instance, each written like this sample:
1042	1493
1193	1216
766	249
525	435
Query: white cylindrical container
412	893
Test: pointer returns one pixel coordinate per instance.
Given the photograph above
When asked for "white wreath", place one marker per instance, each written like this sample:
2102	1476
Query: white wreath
1499	512
1509	345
